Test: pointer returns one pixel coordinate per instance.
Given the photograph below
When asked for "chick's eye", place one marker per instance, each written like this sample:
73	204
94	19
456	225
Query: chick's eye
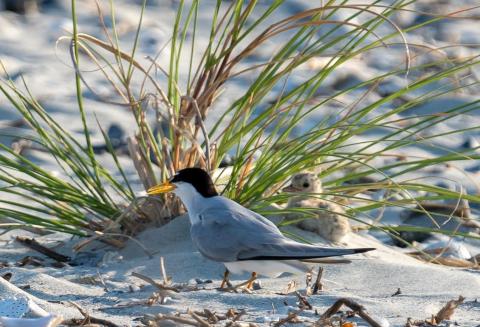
306	185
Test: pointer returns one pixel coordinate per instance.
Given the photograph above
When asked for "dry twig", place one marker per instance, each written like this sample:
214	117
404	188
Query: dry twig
34	245
448	310
318	286
87	319
357	308
154	283
292	316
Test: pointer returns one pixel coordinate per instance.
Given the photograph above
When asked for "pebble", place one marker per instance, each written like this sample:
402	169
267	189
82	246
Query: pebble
21	6
471	143
257	285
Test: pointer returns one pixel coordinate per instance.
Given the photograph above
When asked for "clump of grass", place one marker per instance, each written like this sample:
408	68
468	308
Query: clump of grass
260	127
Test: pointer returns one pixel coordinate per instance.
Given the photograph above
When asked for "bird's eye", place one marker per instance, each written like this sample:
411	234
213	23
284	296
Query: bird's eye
306	185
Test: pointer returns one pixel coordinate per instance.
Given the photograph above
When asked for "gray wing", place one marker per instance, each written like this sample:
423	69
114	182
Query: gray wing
223	235
237	233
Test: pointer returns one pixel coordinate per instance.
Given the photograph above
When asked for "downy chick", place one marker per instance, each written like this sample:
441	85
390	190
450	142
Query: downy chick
329	223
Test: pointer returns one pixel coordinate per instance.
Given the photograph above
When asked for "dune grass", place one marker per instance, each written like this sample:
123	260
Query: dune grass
260	127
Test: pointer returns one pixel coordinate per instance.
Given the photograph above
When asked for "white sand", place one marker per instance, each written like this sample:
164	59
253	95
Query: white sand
370	280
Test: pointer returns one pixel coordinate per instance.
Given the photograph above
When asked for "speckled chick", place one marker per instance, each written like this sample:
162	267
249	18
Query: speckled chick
329	222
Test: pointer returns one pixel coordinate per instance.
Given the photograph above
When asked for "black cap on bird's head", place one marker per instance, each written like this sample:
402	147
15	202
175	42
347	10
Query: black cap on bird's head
197	177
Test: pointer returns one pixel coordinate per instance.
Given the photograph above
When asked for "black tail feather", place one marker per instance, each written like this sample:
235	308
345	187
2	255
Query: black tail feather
362	250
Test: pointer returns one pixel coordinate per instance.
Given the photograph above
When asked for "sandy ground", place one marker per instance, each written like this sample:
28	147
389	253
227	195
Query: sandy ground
370	279
28	48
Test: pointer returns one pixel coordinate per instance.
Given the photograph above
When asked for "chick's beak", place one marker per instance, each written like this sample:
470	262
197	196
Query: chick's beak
162	188
290	188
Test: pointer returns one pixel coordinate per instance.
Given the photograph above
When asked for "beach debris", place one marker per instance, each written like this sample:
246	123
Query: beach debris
318	286
354	306
257	285
447	253
7	276
398	292
21	6
445	313
23	312
329	221
448	310
87	318
161	287
290	288
292	317
34	245
203	318
303	303
30	260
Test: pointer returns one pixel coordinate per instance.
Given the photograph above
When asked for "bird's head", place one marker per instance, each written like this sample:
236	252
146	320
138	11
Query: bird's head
304	183
186	182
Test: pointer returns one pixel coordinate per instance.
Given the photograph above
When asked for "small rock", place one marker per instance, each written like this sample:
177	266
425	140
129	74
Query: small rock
133	288
21	6
471	143
257	285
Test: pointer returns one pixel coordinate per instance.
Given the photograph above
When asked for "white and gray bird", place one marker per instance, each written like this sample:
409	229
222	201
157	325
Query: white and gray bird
244	241
329	221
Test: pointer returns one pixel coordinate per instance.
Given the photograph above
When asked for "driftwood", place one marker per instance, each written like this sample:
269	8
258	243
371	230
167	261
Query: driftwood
87	319
34	245
357	308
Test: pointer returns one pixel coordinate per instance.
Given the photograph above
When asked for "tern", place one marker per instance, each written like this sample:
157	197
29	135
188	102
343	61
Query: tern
244	241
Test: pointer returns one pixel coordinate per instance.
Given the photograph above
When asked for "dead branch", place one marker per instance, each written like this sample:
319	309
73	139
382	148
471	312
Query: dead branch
357	308
154	283
318	286
303	302
34	245
87	319
448	310
201	322
290	318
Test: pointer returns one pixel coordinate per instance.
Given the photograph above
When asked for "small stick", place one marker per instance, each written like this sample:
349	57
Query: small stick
211	317
87	318
235	287
357	308
164	271
448	309
289	318
201	322
154	283
34	245
398	292
7	276
303	301
105	288
318	286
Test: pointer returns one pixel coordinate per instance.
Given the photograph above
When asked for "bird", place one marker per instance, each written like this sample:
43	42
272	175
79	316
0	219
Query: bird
330	221
244	241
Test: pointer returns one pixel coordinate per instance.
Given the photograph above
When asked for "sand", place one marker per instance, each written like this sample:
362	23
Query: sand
370	280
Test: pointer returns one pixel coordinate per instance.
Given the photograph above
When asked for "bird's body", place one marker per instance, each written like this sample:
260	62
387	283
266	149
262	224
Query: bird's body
329	221
224	231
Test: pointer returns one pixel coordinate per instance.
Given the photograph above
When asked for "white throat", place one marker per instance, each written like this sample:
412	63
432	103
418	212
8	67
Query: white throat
192	200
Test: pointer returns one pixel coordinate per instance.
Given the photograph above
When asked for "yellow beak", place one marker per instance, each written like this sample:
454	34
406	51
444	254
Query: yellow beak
162	188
